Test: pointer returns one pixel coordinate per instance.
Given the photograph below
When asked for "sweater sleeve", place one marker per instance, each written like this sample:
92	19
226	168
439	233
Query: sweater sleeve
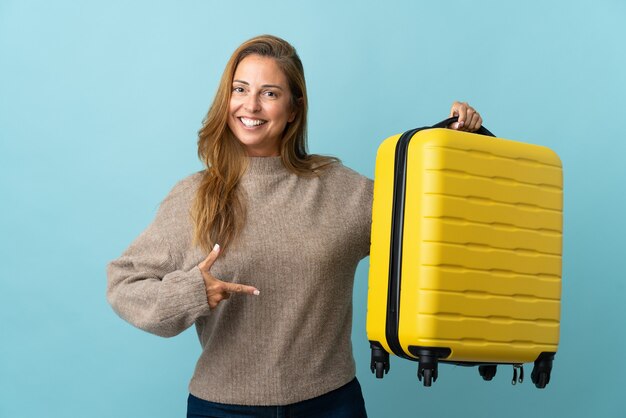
366	215
145	285
369	194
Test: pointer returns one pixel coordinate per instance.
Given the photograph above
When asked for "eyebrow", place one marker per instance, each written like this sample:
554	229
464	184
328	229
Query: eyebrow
264	85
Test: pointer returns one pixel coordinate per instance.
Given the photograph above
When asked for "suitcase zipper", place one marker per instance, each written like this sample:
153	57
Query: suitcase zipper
521	374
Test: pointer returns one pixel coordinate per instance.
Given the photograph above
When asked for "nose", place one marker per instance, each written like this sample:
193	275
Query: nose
252	103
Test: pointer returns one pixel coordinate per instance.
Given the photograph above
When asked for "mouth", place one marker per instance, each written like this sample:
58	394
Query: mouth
251	123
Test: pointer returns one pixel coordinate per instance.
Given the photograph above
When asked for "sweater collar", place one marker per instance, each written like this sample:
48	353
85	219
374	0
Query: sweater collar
265	165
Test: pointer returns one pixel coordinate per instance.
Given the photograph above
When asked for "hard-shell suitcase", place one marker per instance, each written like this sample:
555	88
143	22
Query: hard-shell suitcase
465	257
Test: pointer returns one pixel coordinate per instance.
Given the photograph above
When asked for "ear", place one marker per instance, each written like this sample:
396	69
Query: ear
292	116
294	112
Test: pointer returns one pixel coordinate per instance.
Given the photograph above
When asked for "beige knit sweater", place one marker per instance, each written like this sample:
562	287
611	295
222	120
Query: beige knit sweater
300	246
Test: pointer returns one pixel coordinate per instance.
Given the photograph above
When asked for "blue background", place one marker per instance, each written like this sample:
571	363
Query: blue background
100	103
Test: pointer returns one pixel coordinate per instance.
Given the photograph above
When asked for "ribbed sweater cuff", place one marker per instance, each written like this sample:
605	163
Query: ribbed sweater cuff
190	292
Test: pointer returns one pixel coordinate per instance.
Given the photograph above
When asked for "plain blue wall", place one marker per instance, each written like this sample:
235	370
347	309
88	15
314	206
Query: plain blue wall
100	102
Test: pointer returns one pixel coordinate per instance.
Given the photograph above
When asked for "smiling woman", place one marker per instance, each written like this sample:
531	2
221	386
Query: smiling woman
292	228
260	110
260	106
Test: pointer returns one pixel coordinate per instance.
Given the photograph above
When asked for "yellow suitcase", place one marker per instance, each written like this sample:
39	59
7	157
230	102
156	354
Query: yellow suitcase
465	257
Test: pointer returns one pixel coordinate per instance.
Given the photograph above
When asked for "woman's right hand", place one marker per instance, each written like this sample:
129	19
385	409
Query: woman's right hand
469	118
217	290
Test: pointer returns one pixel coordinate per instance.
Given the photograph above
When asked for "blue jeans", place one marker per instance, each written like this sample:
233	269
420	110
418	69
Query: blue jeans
345	402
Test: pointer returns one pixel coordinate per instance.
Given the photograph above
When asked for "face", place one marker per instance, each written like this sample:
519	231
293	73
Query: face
260	105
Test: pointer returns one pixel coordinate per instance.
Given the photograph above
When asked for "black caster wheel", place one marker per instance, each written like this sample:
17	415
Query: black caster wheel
380	360
428	377
487	371
540	375
427	369
428	361
380	370
541	380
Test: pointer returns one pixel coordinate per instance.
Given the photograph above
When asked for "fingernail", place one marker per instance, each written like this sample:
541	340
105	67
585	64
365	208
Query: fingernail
256	293
216	247
461	124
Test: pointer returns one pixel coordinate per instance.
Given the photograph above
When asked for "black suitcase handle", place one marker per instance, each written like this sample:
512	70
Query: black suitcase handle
444	124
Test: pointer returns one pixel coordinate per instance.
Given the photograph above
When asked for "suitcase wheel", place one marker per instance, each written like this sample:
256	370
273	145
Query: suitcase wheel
428	374
427	369
380	369
380	360
540	375
542	380
428	361
487	371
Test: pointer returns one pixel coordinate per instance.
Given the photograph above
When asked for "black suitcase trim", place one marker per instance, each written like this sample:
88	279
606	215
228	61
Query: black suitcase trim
397	228
395	255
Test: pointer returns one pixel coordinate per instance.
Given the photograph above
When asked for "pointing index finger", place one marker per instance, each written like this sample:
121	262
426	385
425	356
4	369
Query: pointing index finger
242	288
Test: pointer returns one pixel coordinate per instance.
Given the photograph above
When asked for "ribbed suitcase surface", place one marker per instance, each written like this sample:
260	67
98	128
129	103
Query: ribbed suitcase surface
480	264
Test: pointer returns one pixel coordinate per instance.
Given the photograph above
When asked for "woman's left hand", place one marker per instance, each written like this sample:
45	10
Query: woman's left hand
469	118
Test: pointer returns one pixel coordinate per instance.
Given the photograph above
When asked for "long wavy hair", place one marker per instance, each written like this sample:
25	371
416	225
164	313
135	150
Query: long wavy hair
219	209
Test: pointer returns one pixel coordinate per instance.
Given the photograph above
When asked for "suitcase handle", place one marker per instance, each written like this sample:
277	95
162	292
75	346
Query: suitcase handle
444	124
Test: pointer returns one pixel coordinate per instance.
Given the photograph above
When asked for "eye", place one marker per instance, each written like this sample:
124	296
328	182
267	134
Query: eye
271	94
238	89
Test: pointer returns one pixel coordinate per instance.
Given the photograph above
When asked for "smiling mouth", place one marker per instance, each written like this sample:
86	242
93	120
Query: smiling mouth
251	123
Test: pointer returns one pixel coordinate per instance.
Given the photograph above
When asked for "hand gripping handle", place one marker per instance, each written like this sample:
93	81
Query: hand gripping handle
445	123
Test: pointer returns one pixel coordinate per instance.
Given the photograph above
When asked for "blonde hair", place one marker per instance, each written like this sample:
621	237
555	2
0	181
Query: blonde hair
219	211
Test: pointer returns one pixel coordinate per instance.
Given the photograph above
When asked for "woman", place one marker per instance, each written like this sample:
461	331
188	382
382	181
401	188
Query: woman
291	229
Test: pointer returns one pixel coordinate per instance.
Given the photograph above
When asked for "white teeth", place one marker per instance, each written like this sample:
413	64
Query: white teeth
251	122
